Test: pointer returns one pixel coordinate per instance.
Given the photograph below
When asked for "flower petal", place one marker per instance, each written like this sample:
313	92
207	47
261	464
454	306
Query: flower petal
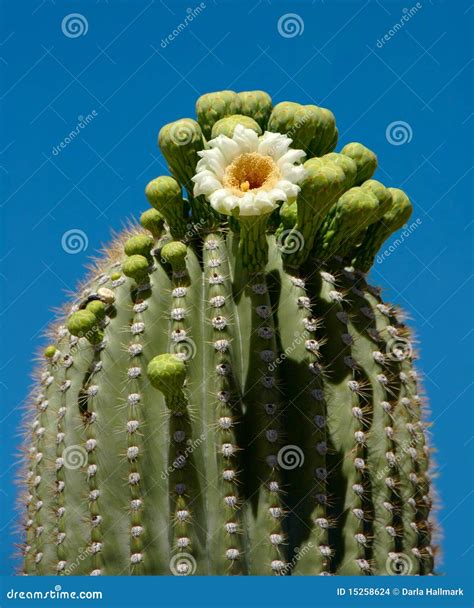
227	146
277	195
291	190
292	156
223	201
273	144
246	139
205	182
293	173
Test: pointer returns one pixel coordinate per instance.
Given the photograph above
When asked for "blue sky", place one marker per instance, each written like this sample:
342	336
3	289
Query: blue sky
118	71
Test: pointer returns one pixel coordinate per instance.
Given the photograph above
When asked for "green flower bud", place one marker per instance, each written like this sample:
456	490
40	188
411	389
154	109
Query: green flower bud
365	160
140	244
211	107
167	373
175	252
257	105
97	308
84	324
289	214
153	221
50	351
136	267
164	194
226	126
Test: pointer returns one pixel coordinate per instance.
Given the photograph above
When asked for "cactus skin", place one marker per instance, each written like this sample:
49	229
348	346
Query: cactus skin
196	357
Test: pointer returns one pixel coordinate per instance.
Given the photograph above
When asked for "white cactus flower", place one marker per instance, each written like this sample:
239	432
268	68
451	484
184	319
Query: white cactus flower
247	175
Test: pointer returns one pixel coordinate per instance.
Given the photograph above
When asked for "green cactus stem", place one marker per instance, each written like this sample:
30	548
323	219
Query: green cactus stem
253	246
227	394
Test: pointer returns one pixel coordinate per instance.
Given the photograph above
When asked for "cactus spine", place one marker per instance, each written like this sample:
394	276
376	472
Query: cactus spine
227	394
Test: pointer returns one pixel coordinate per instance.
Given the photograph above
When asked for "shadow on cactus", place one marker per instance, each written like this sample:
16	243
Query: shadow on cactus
228	395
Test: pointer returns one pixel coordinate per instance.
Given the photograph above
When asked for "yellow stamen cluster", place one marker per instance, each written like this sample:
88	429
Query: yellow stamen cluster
251	171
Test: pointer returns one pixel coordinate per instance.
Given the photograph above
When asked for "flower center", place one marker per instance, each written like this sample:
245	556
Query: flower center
251	171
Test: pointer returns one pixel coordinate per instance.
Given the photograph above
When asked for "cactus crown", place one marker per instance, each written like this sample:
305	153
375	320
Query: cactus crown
228	395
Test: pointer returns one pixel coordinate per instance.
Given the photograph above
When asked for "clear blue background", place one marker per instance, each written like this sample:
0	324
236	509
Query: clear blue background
120	69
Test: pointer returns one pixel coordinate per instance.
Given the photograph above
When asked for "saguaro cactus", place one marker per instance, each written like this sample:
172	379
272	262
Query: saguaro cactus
227	394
